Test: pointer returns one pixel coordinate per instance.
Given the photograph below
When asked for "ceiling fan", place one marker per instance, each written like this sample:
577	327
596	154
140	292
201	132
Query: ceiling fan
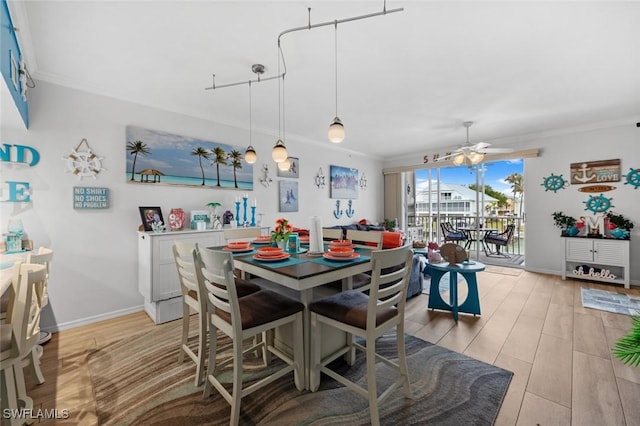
472	153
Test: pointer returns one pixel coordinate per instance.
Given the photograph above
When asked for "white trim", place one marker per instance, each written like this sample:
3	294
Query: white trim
90	320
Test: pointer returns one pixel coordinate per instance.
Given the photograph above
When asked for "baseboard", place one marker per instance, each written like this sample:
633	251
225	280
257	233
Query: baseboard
90	320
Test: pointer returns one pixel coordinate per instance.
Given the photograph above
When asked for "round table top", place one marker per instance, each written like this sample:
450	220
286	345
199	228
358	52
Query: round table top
471	266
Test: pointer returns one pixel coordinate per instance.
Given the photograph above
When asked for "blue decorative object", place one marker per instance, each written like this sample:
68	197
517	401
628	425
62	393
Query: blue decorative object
619	233
337	213
238	213
554	183
633	178
598	204
244	204
350	212
253	215
572	231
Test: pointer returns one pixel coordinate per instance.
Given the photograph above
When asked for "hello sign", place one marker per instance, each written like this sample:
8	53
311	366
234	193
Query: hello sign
18	154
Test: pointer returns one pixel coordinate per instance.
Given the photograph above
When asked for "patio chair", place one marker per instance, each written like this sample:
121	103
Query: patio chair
501	239
449	233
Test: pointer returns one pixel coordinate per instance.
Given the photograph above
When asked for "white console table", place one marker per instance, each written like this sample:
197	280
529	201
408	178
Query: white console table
610	256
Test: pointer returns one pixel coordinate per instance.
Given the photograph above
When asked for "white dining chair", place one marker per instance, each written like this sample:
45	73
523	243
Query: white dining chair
364	239
18	338
242	319
368	317
239	234
329	234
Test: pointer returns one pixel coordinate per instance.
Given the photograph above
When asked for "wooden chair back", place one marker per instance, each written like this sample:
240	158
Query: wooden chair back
25	318
329	234
183	252
366	239
231	234
44	256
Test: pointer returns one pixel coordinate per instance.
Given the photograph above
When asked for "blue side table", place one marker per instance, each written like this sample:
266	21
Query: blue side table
468	270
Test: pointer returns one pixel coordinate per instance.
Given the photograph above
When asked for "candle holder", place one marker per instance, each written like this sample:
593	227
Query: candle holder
244	204
253	215
238	213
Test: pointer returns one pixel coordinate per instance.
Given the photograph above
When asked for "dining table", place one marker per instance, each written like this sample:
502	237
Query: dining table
302	272
477	234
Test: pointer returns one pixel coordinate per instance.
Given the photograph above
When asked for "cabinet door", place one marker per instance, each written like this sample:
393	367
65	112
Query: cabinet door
579	249
610	252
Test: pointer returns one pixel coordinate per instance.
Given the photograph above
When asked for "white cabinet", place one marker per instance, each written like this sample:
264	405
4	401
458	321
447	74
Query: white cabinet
157	274
605	260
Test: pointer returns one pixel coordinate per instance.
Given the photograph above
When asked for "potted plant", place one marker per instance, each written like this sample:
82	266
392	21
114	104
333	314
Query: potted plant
281	232
627	348
564	222
619	226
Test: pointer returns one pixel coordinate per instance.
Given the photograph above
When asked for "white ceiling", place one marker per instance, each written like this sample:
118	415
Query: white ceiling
407	80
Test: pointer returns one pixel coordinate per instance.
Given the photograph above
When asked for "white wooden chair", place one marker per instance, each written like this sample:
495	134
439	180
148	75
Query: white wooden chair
329	234
365	239
368	317
18	338
242	319
239	234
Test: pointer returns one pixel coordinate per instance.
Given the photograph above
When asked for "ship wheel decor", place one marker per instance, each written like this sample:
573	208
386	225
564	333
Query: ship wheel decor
554	183
598	204
83	163
633	178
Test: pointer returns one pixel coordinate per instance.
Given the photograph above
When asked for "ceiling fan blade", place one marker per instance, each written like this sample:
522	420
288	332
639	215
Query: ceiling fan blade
450	155
479	146
495	150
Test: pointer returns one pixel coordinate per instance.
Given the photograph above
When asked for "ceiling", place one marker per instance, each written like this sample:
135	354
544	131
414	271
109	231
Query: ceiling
406	80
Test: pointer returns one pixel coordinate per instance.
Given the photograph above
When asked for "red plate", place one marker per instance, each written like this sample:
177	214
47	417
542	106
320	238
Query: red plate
283	256
270	251
341	259
341	243
257	241
237	250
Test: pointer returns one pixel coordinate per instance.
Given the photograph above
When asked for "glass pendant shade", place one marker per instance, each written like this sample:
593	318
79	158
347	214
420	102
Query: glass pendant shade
336	131
279	152
476	157
458	159
284	165
250	155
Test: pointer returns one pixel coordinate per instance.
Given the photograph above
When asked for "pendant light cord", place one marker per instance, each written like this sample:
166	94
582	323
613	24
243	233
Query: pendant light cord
250	120
336	61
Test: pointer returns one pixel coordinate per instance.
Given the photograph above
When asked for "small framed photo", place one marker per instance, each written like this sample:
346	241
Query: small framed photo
293	171
149	216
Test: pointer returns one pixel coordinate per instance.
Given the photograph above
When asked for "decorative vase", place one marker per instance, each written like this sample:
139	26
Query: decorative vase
281	244
572	231
619	233
176	219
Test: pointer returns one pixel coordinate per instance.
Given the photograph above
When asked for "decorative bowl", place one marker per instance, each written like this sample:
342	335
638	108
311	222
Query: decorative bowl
340	243
270	251
238	244
341	251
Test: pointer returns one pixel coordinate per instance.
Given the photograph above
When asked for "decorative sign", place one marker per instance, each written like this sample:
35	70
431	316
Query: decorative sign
597	188
554	183
86	198
595	172
83	163
633	178
604	274
18	192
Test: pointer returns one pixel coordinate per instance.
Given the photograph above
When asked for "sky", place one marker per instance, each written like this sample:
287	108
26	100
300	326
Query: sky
495	172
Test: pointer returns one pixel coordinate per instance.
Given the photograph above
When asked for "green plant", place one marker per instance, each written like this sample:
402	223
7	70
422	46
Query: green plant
562	221
282	230
620	221
390	224
627	348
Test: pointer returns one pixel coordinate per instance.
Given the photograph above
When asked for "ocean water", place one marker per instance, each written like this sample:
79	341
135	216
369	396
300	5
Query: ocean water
190	181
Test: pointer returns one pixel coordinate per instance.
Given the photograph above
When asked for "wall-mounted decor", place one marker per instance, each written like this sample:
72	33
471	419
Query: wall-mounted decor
319	180
595	172
288	196
18	192
633	178
344	182
265	179
337	213
83	163
596	188
150	216
293	171
90	198
598	204
363	182
350	211
554	183
161	158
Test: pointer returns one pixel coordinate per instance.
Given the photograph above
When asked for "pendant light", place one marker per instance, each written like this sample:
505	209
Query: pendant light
250	155
279	151
336	129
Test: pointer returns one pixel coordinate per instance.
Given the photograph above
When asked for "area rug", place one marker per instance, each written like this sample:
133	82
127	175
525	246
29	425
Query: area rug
610	301
139	381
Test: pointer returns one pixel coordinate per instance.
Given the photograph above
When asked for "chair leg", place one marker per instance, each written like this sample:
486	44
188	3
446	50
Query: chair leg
185	331
314	362
202	340
9	397
236	396
371	382
211	366
34	359
402	360
298	353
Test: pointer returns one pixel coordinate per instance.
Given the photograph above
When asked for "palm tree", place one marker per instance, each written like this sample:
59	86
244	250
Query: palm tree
517	187
137	147
201	153
235	157
219	157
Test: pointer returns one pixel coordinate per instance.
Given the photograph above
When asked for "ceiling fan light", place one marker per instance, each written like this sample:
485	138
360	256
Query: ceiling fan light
250	155
458	159
279	152
476	157
336	131
284	165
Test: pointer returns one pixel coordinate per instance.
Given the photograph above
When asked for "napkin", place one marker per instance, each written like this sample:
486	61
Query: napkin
316	244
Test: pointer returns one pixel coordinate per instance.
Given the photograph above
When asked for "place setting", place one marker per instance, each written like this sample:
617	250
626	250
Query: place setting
341	251
271	254
262	240
238	247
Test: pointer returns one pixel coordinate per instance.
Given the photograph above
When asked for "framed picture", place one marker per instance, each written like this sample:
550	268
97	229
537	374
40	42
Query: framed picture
149	216
288	196
344	182
294	169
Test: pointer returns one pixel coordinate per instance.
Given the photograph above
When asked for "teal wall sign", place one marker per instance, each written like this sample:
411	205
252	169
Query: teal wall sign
19	154
85	198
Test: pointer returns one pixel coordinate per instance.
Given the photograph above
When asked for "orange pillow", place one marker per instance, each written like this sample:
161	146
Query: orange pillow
391	239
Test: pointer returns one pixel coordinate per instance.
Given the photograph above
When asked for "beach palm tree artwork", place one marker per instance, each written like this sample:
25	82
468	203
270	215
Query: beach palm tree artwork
201	153
236	162
219	158
137	147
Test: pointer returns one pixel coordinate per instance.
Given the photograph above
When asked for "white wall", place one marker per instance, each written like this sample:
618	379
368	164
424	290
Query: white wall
543	244
94	273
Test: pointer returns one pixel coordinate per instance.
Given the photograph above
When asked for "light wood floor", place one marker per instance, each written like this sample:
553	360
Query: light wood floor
531	324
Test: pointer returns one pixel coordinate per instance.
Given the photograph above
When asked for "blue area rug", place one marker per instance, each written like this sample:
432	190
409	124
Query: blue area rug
610	301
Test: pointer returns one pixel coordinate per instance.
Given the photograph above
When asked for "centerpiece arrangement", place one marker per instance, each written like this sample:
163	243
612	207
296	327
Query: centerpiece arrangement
281	232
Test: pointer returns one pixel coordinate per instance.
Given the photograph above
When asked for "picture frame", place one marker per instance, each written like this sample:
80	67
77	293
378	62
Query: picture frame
294	169
343	182
288	198
149	216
